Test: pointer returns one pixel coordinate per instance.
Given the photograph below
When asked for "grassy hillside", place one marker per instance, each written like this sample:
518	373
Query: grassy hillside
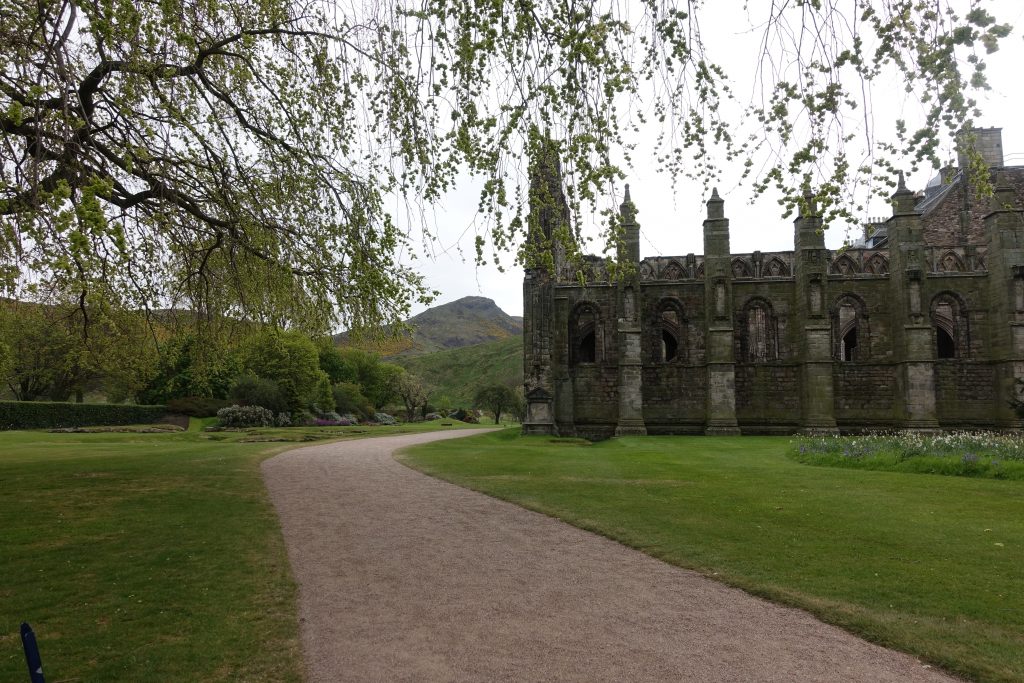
458	373
469	321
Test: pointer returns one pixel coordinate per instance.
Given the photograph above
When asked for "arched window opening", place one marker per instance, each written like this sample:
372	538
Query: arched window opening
668	338
945	347
849	345
758	333
587	351
850	336
583	333
669	346
950	321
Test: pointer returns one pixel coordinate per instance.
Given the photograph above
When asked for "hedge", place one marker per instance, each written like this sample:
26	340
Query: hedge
46	415
197	406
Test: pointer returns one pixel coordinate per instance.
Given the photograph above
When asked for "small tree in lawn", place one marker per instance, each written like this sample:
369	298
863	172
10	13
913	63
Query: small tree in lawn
412	391
496	398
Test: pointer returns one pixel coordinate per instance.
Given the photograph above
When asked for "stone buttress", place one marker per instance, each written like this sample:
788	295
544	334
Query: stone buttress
721	370
817	401
631	402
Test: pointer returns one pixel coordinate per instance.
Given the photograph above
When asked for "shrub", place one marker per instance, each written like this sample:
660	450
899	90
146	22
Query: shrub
283	420
250	390
432	416
385	419
52	415
197	406
349	398
301	418
245	416
466	416
330	416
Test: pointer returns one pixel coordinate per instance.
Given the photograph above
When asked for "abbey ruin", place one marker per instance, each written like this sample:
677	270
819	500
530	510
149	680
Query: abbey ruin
919	325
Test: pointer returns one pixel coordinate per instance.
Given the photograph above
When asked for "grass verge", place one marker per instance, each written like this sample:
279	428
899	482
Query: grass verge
931	565
149	557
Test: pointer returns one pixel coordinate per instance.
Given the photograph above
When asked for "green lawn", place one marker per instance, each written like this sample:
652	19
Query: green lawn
928	564
148	557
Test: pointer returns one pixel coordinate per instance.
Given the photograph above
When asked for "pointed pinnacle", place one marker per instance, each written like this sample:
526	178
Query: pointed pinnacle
714	194
626	198
902	184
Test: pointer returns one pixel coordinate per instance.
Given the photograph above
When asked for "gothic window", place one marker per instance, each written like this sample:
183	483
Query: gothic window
776	268
951	263
877	265
673	271
850	338
758	331
844	265
950	321
584	335
740	268
670	327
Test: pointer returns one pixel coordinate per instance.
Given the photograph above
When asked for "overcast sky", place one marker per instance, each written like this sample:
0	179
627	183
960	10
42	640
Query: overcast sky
670	221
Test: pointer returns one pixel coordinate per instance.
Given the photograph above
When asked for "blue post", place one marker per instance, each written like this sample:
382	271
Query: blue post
35	664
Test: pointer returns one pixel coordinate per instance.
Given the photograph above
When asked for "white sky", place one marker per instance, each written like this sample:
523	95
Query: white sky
671	221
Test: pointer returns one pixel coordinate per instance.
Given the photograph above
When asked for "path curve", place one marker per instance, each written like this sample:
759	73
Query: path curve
403	577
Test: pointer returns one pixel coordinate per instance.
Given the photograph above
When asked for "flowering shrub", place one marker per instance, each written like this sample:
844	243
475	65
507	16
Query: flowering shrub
245	416
957	453
302	418
384	419
340	422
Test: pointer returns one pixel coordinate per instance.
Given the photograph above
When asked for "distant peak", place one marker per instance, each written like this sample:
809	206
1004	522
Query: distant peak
470	302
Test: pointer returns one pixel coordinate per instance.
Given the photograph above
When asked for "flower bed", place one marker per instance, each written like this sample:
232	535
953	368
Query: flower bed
966	454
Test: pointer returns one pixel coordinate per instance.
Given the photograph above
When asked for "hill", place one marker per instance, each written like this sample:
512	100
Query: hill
457	374
469	321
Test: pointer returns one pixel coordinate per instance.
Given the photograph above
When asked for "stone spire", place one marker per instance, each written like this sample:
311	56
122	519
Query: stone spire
630	244
716	205
809	207
627	210
903	200
549	210
808	232
716	228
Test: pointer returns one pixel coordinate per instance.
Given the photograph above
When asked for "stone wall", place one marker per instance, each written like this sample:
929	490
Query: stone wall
675	398
767	397
965	393
866	393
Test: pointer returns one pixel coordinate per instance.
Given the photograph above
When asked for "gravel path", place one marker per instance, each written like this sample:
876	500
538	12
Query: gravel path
406	578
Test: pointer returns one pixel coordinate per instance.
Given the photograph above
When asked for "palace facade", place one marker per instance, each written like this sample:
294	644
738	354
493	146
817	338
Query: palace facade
919	325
